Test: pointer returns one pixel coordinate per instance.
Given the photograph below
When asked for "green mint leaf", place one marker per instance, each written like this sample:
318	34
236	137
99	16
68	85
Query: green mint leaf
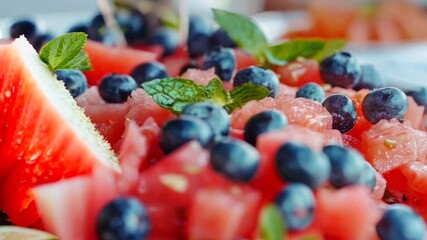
331	46
66	52
175	93
239	96
216	92
272	225
243	31
289	51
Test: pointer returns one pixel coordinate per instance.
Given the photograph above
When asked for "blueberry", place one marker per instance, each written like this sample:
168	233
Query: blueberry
347	165
180	131
216	116
385	103
221	39
96	28
116	88
420	96
235	159
340	69
311	91
369	79
40	40
148	71
296	162
296	204
133	24
79	27
223	60
191	65
400	222
166	37
27	27
259	76
199	33
74	80
123	218
368	177
343	112
263	122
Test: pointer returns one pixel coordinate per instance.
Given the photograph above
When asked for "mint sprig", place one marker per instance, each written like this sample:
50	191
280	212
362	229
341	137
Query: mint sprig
175	93
272	225
244	32
66	52
248	36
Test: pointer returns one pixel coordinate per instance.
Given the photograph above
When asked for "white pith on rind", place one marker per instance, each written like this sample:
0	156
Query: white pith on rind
62	101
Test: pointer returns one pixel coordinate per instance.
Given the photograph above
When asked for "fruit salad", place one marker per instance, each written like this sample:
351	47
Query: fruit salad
224	136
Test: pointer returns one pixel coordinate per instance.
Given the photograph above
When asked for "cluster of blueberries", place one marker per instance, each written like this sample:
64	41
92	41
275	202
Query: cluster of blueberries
209	124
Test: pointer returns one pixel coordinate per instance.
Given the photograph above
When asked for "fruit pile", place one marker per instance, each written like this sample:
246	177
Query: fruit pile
388	21
223	137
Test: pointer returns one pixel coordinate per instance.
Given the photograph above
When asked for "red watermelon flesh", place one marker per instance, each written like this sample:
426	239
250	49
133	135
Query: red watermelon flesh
390	144
107	59
140	106
414	115
45	136
90	97
335	208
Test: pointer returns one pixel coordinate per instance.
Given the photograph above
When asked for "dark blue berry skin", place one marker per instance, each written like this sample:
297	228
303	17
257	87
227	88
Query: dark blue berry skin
296	162
40	40
199	34
180	131
26	27
400	222
123	218
296	204
340	69
96	28
223	60
343	112
311	91
80	27
368	177
213	114
166	37
235	159
385	103
263	122
116	88
221	39
420	96
259	76
148	71
347	165
133	24
74	80
370	78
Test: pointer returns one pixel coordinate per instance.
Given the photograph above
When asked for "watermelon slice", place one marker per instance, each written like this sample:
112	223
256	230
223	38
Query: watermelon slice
44	135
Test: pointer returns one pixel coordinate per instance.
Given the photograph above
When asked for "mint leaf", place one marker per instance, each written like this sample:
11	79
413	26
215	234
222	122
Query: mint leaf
289	51
175	93
216	92
243	31
239	96
330	47
66	52
272	225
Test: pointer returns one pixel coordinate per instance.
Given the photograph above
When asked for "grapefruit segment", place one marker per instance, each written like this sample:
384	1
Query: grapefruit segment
45	136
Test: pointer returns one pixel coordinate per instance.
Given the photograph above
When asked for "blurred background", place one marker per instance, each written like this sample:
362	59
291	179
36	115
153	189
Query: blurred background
390	33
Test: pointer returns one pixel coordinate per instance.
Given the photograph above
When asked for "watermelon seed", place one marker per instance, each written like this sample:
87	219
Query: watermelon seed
390	144
175	182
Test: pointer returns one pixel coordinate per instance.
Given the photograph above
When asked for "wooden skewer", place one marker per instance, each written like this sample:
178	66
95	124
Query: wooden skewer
184	18
107	11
